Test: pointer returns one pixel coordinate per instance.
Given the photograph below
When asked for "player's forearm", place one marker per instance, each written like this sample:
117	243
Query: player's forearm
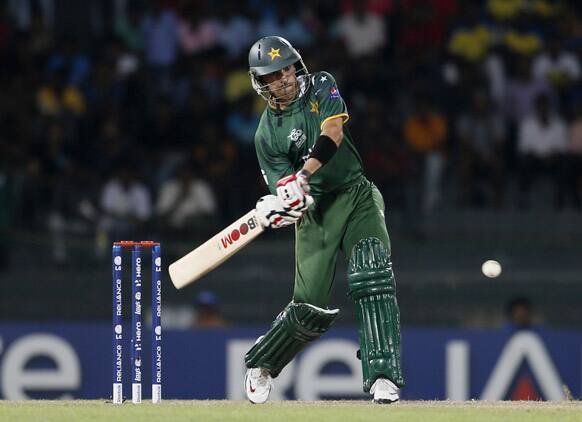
326	146
311	166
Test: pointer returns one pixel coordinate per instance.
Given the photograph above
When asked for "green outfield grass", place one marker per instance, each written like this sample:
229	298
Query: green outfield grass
320	411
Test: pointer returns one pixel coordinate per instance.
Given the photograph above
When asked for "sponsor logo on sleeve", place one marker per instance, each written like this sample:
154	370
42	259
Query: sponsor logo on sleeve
334	93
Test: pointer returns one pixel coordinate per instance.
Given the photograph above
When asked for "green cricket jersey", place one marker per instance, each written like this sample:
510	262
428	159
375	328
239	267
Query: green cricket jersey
284	139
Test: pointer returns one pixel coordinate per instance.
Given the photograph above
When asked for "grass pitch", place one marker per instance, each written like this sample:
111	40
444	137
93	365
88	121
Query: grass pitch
318	411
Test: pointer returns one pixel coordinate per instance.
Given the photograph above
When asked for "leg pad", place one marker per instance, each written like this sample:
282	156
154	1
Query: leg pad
298	325
372	289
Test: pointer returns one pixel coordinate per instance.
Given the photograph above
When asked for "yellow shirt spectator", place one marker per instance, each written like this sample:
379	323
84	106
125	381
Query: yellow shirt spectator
50	102
505	9
526	44
471	44
237	85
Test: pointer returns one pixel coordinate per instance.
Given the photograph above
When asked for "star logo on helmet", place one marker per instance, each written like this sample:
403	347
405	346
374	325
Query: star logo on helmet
274	53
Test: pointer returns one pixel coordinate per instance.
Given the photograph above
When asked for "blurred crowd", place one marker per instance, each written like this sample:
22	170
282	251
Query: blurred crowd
121	118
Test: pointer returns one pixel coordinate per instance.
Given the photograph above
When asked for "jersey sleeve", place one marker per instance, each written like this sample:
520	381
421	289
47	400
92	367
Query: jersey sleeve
329	100
274	165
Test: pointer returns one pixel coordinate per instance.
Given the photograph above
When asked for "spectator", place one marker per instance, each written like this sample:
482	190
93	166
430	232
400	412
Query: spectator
129	26
242	123
208	311
162	127
56	97
31	197
495	70
186	202
519	314
542	142
41	39
237	31
73	209
481	134
216	157
236	85
426	132
101	92
72	61
421	27
110	145
387	157
161	46
197	31
126	205
378	7
161	37
363	32
285	22
216	154
559	67
505	9
55	149
522	91
126	62
472	40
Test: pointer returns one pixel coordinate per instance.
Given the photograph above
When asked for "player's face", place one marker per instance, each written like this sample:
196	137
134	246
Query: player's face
282	84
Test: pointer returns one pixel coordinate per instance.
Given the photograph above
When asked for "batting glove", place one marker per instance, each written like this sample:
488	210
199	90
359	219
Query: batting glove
272	213
293	190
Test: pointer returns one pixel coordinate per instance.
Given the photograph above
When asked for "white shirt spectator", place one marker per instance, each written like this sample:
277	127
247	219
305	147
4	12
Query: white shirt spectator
542	141
521	95
566	63
362	37
198	200
126	203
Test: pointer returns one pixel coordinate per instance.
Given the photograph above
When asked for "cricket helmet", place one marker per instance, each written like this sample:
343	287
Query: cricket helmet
271	54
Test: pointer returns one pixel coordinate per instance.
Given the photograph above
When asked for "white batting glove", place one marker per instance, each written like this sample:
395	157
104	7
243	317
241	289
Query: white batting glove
272	213
293	190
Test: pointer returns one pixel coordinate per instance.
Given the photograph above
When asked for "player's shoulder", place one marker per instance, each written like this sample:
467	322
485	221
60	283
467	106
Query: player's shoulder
322	79
324	86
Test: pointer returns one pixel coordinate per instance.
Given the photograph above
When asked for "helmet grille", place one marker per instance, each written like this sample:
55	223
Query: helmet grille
302	83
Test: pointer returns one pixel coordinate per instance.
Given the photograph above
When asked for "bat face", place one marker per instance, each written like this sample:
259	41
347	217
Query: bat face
215	251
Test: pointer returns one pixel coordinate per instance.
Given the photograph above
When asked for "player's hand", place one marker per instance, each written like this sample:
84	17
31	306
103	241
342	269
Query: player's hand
293	190
272	213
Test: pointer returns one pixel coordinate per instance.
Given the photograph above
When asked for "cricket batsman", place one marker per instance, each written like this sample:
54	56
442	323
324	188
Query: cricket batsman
317	181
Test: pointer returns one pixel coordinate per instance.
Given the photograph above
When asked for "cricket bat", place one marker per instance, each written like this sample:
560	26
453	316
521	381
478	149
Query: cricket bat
216	250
